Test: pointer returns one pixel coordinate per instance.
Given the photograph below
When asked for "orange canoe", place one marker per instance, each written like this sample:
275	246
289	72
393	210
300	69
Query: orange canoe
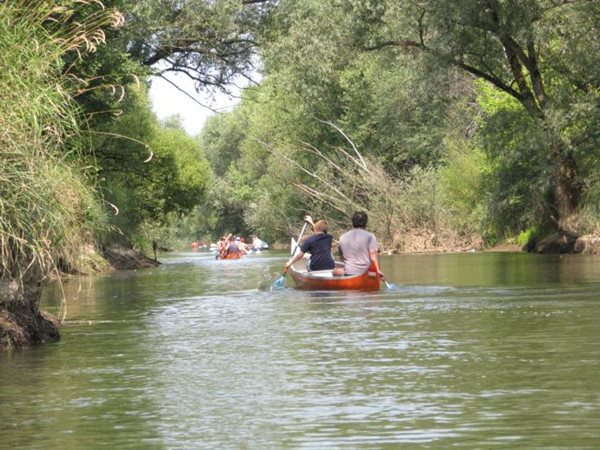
232	256
323	280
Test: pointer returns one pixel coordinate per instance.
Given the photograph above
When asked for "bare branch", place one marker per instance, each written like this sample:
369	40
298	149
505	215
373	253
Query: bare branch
405	44
187	94
363	164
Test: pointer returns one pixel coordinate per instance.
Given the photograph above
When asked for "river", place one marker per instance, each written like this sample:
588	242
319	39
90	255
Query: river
477	350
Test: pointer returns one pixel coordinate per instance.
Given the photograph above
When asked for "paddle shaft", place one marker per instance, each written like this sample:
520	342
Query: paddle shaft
297	244
299	237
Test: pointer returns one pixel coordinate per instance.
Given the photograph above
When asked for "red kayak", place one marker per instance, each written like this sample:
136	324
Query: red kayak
323	280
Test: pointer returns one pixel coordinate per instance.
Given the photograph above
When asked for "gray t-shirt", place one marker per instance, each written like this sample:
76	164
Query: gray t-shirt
355	246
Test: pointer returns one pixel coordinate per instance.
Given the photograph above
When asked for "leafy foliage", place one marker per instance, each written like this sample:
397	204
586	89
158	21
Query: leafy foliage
507	152
211	42
149	171
474	118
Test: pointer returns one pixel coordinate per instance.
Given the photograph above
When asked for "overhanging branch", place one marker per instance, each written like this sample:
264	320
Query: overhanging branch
406	44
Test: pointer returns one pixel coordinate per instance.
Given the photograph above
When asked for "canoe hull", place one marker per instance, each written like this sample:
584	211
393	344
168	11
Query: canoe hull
323	280
232	256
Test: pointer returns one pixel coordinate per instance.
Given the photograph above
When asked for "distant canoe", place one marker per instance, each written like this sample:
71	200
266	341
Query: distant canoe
323	280
263	246
232	256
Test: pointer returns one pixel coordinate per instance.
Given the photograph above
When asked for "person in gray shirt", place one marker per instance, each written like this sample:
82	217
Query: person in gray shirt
358	248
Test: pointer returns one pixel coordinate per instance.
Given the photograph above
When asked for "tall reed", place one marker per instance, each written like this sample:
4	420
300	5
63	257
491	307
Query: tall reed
48	205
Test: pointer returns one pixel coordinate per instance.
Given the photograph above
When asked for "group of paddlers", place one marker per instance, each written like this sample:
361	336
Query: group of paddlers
232	247
357	248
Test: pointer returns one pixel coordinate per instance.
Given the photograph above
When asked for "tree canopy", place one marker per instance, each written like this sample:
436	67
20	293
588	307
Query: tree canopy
508	89
453	124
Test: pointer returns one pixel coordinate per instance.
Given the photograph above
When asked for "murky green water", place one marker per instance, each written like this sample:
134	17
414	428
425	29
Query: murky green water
471	351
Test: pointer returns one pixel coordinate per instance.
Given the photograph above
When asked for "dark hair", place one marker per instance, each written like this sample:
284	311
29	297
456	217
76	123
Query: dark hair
359	219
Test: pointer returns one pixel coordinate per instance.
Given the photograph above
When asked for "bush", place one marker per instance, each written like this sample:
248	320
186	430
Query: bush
528	237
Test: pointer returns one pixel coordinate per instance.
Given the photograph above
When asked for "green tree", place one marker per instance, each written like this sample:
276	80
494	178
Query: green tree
316	78
527	51
149	171
221	138
213	43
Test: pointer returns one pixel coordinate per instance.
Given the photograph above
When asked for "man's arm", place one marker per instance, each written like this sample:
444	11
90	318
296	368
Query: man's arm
375	259
374	256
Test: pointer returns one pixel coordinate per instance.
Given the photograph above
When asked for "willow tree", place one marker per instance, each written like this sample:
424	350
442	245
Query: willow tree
213	43
543	54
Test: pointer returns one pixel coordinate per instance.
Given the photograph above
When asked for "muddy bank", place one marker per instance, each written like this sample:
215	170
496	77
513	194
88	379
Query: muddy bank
562	242
554	243
22	324
108	258
124	258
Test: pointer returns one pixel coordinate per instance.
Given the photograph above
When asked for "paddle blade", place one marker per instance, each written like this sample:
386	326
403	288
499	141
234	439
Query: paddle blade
293	246
390	286
279	283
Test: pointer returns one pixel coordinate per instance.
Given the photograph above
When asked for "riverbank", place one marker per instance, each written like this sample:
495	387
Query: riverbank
554	243
125	258
23	325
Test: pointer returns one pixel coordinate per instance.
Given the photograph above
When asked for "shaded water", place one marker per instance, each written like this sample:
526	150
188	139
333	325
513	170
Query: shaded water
471	351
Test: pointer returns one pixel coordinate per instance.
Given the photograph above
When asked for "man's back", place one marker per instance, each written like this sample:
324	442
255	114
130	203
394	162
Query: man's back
355	246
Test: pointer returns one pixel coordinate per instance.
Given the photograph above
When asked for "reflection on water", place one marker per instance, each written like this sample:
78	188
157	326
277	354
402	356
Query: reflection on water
471	350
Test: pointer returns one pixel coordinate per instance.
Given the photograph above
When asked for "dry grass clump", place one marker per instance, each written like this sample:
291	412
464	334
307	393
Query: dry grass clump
406	212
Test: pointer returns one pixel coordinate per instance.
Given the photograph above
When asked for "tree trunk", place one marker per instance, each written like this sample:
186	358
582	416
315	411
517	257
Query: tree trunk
567	193
22	324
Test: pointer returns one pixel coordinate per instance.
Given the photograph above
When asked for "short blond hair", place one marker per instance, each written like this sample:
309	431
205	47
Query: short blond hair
321	226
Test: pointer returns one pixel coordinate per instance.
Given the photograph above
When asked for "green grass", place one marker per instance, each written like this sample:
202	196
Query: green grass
48	205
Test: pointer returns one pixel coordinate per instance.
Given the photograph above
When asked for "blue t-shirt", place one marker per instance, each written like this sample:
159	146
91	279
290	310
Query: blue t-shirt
319	247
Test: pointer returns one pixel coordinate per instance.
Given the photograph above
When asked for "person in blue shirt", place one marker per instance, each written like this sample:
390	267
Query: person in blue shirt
233	247
319	247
